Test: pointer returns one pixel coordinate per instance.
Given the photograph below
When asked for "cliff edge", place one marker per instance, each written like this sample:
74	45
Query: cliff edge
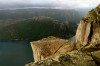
85	51
88	31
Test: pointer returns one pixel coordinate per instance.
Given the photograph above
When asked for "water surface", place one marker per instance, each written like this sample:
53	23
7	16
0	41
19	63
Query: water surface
15	53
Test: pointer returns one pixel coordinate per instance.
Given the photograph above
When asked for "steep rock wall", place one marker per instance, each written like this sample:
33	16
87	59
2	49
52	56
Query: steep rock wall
88	31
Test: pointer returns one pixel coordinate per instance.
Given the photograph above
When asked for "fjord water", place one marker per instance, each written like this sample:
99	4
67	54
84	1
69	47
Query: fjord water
15	53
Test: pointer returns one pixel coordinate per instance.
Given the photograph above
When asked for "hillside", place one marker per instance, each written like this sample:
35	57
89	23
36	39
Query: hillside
4	23
36	28
58	14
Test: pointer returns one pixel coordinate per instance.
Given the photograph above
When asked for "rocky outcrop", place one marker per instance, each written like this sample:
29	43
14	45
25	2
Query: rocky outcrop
49	46
74	58
96	56
88	32
85	51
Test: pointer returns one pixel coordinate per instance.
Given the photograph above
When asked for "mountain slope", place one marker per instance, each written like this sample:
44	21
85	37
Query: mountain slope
58	14
36	28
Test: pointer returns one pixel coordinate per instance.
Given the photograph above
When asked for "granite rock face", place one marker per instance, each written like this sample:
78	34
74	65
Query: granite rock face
74	58
88	31
50	46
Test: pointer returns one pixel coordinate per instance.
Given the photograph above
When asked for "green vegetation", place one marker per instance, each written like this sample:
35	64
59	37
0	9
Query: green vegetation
19	24
58	14
36	28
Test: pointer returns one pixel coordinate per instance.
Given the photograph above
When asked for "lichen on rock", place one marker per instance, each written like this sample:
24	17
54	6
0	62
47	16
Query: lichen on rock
74	58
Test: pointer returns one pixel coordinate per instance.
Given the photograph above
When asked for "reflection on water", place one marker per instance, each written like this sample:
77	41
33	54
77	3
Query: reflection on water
15	53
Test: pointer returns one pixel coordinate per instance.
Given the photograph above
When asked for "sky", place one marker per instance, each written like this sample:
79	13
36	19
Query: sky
54	3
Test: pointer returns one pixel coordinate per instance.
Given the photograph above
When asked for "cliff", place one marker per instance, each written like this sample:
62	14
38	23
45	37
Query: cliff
88	31
50	46
85	51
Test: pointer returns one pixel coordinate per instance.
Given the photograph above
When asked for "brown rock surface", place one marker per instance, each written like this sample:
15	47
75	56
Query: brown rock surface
88	32
49	46
74	58
96	56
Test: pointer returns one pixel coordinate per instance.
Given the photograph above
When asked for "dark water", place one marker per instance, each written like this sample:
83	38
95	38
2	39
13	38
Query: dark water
15	53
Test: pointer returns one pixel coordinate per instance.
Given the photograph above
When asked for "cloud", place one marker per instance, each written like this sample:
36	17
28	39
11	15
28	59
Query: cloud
79	3
59	3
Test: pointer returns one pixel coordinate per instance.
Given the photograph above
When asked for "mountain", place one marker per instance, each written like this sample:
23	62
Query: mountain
58	14
36	28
